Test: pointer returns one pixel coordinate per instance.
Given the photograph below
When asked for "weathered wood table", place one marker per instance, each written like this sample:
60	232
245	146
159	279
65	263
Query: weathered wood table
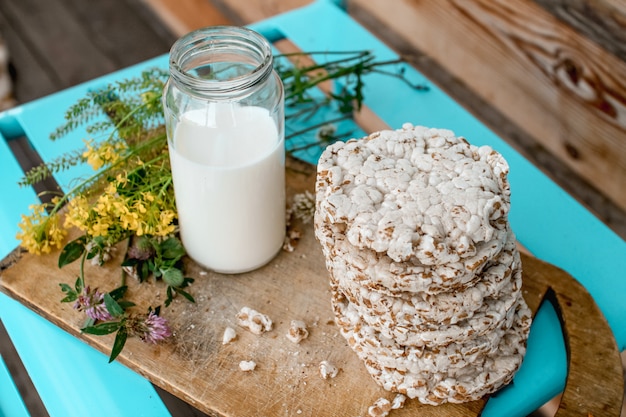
198	368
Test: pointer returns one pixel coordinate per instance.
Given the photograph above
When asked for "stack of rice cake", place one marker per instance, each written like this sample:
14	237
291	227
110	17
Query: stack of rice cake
425	274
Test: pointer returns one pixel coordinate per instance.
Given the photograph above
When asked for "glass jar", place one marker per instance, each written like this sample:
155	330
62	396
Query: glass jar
224	116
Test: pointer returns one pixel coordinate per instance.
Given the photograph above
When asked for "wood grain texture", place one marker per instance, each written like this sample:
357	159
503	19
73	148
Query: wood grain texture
56	44
562	88
602	21
185	16
242	12
196	367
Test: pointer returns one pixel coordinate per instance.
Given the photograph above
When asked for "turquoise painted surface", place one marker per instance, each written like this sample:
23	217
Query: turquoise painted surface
11	404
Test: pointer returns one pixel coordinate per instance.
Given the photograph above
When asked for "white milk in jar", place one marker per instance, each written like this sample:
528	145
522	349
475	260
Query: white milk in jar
228	168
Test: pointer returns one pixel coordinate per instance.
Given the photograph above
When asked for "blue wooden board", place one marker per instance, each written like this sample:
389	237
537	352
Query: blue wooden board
16	201
11	404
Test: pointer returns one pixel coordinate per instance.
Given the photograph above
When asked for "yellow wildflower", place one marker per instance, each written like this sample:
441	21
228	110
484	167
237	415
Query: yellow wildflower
111	189
140	207
165	226
140	229
78	213
99	228
40	232
121	179
98	155
129	220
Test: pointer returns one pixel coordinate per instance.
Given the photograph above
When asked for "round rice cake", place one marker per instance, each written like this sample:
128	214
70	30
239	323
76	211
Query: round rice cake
493	313
348	318
401	322
368	342
457	372
490	374
383	274
501	279
418	195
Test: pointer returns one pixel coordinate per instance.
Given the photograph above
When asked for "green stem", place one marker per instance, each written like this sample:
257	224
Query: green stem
327	65
131	113
123	280
82	269
98	174
300	53
309	110
165	186
316	126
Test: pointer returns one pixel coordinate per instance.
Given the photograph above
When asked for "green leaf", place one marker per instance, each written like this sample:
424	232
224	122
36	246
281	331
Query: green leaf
172	248
89	322
70	294
101	329
97	249
69	298
170	296
173	277
78	285
185	294
112	306
118	293
72	251
118	345
126	304
143	271
130	262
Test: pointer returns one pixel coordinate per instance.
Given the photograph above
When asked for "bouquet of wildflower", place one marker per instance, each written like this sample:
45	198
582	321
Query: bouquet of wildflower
130	193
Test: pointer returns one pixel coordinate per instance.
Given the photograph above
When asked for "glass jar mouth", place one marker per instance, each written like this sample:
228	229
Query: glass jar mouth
220	59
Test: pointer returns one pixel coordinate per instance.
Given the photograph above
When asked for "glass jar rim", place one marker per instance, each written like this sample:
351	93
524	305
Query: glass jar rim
207	43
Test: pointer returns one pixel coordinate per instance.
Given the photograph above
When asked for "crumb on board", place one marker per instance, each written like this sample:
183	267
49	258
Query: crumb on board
380	408
247	366
254	321
291	239
229	335
328	370
297	331
398	402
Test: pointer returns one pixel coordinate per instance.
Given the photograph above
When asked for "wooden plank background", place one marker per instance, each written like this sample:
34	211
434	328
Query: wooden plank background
555	94
55	44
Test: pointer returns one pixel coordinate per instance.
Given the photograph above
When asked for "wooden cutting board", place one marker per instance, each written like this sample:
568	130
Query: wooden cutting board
198	368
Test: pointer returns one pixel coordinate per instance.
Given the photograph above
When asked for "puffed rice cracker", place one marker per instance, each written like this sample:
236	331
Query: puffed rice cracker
254	321
297	331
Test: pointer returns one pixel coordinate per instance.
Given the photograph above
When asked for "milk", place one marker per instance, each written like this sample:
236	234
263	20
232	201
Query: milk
228	168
